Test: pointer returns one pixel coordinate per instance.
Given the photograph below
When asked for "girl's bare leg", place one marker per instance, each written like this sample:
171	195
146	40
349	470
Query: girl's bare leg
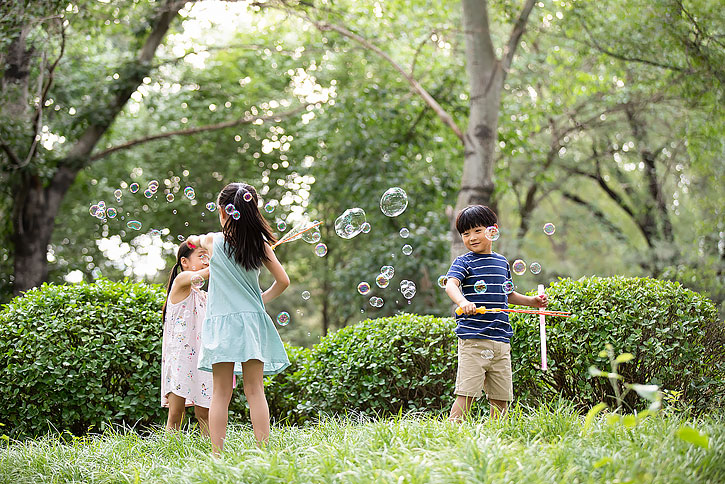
222	378
176	412
202	416
253	376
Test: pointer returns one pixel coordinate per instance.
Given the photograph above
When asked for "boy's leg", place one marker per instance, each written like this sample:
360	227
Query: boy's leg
202	416
460	408
223	376
498	408
253	378
176	412
469	378
498	384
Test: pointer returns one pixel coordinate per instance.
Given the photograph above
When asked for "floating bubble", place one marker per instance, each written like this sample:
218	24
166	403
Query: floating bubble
376	302
283	318
305	295
169	197
492	233
247	197
148	193
94	209
549	228
350	223
236	215
404	232
102	205
229	209
281	226
365	228
394	202
407	249
321	250
118	194
180	238
111	212
518	267
211	206
269	207
154	232
312	236
480	287
442	281
133	187
363	288
387	271
508	287
382	281
134	224
535	267
190	193
197	281
204	258
407	289
154	185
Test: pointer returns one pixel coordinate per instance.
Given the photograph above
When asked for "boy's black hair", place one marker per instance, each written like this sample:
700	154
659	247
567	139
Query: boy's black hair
246	238
183	251
475	216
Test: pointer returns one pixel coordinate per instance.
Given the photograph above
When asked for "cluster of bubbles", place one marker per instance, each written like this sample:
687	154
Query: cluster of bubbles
211	206
376	302
152	188
407	289
230	209
100	211
350	223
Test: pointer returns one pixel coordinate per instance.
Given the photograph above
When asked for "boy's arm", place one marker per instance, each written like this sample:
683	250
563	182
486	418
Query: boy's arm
453	290
532	301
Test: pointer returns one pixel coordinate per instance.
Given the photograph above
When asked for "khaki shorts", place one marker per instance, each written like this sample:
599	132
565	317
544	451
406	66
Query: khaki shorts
484	364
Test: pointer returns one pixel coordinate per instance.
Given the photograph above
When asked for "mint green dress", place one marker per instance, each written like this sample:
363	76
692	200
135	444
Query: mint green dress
237	328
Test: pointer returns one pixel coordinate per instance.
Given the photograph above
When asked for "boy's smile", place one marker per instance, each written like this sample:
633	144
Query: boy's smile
475	240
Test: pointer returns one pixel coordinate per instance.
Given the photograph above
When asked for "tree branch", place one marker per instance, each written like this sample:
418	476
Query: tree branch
191	131
516	33
598	214
11	154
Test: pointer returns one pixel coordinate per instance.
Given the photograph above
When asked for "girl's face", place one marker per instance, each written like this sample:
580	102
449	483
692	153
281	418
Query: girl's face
197	260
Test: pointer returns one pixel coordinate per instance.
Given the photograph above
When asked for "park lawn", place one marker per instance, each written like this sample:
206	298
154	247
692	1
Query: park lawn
536	445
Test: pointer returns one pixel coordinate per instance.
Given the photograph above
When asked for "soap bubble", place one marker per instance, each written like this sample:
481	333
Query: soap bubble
404	232
363	288
229	209
204	258
394	202
480	287
535	267
518	267
442	281
365	228
211	206
382	281
118	194
133	187
407	249
111	212
169	197
180	238
134	224
407	289
148	193
197	281
248	198
321	250
312	236
154	232
236	215
508	287
269	207
549	228
376	302
349	224
283	318
281	226
387	271
154	185
492	233
94	209
190	193
102	205
305	295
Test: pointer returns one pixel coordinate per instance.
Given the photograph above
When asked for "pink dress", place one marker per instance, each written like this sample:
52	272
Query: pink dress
180	352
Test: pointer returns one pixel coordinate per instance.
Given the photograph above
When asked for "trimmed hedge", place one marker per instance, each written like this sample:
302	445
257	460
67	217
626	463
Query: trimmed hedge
675	335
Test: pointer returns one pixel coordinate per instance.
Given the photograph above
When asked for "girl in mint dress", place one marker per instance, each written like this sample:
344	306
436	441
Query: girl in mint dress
238	336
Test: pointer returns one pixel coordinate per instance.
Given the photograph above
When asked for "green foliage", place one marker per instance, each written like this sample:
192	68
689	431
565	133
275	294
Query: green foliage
76	357
674	335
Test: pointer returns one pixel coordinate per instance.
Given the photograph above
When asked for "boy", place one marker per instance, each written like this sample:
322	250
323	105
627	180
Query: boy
478	278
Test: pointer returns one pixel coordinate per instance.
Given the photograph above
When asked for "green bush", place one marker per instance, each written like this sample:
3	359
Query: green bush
78	356
674	334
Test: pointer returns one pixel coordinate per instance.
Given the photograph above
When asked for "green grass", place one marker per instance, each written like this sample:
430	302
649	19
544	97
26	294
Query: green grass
543	445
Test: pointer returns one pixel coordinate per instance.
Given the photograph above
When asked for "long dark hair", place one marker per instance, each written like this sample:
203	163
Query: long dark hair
183	251
246	237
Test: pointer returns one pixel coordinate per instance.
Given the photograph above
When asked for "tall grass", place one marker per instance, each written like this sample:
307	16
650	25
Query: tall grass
546	444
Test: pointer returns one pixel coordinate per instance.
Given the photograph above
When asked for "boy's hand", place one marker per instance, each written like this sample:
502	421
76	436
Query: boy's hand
467	307
540	301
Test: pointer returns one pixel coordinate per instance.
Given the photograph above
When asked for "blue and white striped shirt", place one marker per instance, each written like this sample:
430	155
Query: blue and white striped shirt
476	271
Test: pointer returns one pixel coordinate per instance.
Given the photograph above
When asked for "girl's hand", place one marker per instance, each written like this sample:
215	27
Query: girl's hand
540	301
193	241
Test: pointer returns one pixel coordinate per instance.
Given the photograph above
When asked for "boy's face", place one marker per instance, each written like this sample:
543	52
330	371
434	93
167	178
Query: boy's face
475	240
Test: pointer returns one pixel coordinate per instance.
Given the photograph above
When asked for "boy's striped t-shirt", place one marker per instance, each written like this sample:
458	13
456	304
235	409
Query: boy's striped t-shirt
474	271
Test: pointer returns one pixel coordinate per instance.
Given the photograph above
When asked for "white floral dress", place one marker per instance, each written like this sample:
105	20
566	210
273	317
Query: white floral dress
180	352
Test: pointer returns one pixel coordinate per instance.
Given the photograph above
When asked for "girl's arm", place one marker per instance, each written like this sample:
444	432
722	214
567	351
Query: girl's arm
532	301
281	280
205	241
181	287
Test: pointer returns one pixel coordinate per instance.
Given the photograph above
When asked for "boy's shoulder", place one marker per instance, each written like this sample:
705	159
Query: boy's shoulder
470	255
